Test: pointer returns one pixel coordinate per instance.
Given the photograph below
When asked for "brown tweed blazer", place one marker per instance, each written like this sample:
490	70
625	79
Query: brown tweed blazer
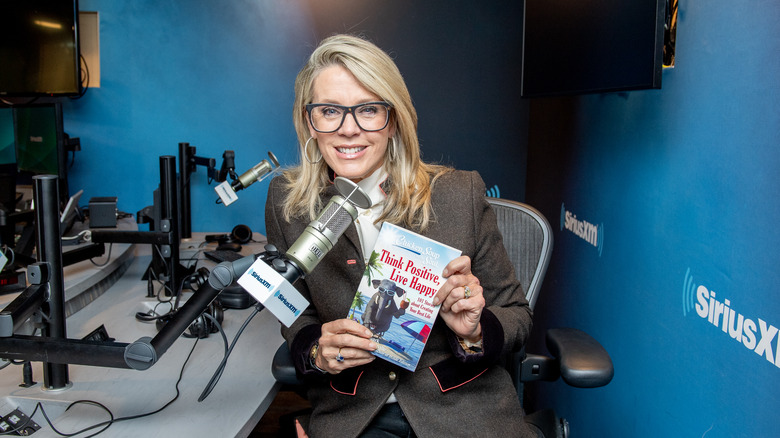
450	393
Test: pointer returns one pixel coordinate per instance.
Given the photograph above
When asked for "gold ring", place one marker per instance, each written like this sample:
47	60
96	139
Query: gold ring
340	358
466	292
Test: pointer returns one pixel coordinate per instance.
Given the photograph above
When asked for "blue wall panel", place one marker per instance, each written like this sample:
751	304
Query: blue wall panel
681	186
217	76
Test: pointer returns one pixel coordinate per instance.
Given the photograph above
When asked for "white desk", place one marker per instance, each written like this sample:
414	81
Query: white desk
233	408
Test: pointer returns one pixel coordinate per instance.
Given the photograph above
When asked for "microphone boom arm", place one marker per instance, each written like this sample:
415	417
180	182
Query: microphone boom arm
146	351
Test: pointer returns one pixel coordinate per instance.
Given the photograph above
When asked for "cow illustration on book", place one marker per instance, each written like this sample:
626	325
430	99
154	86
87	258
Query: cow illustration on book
381	309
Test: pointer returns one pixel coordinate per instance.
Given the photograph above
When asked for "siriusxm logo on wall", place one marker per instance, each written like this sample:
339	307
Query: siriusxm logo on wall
753	332
590	233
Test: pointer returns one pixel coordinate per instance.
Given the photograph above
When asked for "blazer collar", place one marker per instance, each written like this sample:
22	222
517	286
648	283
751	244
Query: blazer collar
386	185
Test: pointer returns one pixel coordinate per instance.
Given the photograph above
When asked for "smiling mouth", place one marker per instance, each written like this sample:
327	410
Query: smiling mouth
352	150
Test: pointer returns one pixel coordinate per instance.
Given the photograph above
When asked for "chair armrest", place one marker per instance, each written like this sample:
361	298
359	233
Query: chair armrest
584	363
282	367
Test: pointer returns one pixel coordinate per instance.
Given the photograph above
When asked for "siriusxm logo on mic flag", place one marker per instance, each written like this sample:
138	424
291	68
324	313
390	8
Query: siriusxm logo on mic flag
226	193
274	292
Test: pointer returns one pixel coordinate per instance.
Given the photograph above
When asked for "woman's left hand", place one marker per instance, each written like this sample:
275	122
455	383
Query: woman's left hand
461	299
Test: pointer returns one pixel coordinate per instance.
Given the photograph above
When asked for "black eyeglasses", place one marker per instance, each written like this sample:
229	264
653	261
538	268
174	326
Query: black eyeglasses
328	117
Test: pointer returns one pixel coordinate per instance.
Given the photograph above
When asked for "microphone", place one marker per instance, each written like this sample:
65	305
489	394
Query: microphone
227	192
270	278
255	174
322	233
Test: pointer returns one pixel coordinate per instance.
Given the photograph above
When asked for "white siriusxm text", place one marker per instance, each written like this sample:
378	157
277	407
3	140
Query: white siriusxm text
754	333
584	229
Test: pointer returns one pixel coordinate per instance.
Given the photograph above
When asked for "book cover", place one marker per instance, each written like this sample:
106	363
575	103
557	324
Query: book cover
395	296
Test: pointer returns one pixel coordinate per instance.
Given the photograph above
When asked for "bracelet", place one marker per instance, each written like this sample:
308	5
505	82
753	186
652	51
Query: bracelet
313	357
471	347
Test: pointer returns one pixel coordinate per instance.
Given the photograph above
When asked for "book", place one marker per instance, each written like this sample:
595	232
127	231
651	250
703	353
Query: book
395	296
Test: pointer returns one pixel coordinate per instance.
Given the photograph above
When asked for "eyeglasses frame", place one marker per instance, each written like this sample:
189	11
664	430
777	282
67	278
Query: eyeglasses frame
347	110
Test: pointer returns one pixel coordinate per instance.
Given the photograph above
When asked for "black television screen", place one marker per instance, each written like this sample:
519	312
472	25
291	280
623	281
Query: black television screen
592	46
39	48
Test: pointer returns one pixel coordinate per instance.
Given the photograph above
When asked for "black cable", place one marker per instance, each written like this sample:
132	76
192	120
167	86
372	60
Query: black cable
218	373
179	294
161	289
153	274
78	402
219	327
84	79
113	420
195	257
168	268
153	315
176	397
108	257
73	159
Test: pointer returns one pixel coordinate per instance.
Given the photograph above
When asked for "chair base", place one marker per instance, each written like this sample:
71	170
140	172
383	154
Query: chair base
547	425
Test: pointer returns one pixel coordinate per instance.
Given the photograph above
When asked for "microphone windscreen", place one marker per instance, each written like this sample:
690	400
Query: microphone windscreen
336	219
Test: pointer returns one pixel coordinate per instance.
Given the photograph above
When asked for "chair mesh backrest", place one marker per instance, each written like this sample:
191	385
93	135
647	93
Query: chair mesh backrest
528	241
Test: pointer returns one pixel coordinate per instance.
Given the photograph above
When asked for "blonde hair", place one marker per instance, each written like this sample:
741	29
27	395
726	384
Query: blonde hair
408	200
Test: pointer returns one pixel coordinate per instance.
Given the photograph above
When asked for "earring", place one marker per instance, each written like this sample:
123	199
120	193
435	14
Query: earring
306	152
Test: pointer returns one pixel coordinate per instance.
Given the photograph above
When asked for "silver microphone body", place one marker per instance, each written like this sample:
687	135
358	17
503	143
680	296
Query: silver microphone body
256	173
322	233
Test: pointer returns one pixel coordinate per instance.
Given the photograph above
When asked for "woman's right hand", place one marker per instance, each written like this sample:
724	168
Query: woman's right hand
347	340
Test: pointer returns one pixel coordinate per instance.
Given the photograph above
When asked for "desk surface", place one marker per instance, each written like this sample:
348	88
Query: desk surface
233	408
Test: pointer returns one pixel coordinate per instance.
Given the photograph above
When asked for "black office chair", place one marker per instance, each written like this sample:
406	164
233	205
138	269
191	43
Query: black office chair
577	358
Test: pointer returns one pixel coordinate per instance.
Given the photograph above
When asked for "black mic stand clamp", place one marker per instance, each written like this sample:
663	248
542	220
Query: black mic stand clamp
228	167
225	273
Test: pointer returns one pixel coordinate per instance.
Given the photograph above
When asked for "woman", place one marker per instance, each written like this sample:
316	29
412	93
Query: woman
354	118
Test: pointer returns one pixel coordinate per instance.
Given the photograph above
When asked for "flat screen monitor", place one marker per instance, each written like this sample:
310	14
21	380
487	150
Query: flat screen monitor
40	144
39	48
592	46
